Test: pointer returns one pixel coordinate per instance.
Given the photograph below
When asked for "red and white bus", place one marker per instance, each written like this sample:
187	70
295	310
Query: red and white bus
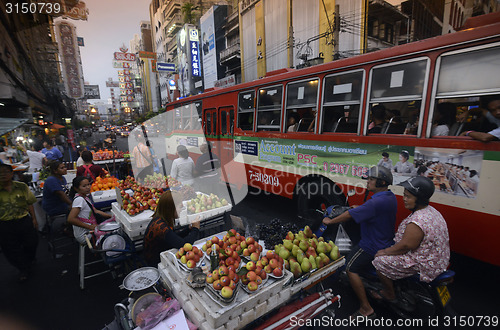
333	138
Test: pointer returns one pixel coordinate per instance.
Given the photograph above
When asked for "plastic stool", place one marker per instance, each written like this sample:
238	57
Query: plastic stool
82	264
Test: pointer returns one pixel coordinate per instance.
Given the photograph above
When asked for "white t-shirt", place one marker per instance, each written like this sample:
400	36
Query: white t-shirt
79	162
36	160
440	130
85	212
182	170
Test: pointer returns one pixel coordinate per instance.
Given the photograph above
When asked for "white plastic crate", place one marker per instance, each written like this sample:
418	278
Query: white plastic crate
135	222
208	213
104	196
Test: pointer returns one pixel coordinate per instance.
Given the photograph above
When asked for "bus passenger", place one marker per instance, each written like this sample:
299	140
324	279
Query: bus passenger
492	104
378	119
444	118
376	218
422	241
403	166
293	122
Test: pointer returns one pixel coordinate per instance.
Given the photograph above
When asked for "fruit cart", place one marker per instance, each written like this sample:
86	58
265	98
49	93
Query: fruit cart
207	311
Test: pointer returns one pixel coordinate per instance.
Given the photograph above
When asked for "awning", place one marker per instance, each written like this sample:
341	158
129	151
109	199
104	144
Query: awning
56	126
9	124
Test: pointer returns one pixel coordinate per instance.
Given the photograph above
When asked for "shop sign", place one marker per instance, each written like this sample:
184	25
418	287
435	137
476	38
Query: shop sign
68	48
124	56
92	92
166	67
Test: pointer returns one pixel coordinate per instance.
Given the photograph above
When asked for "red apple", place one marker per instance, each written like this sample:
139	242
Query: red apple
251	249
226	292
191	264
254	256
251	265
252	276
250	240
217	285
252	286
224	280
210	278
277	272
223	271
270	254
232	285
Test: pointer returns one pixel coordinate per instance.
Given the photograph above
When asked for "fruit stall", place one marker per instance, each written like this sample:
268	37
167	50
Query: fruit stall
228	281
136	204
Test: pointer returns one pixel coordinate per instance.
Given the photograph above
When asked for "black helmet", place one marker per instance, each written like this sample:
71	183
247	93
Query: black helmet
421	187
380	173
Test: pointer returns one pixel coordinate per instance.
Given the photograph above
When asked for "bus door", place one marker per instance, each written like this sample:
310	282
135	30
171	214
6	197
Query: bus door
226	137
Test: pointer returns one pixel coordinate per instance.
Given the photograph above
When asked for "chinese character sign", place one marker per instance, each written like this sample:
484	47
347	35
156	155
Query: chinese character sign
68	49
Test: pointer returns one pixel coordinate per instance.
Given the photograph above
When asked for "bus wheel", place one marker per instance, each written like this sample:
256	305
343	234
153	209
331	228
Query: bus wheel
314	195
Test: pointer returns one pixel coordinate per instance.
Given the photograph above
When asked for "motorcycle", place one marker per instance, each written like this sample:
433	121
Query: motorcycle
414	298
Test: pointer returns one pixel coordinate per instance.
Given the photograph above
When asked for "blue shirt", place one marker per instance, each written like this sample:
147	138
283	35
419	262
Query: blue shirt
52	154
377	220
52	203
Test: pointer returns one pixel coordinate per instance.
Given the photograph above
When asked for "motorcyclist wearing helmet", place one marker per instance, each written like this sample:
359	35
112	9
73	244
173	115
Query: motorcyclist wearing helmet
422	241
377	219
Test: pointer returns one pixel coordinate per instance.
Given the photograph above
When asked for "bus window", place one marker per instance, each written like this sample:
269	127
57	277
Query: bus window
341	102
301	105
196	115
400	89
246	108
223	122
208	127
481	66
269	108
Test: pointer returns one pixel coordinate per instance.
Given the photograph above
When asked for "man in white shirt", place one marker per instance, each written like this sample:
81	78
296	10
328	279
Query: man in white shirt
37	160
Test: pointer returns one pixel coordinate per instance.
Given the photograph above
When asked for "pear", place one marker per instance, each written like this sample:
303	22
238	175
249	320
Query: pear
286	264
290	236
305	265
300	256
295	249
324	258
311	252
321	248
288	244
295	269
277	248
313	243
321	239
313	262
328	247
300	235
319	262
296	241
303	245
284	253
334	254
308	232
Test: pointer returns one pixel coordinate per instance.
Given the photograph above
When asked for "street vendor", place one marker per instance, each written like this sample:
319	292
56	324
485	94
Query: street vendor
376	218
88	169
55	198
160	235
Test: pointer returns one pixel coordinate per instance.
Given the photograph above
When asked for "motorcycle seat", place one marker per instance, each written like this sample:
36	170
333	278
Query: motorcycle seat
443	277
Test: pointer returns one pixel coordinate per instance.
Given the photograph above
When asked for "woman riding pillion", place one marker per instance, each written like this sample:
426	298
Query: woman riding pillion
422	241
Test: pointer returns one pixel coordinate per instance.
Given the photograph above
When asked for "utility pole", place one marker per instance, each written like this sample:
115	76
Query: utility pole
336	32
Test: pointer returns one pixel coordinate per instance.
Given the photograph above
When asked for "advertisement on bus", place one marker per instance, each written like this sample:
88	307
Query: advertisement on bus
453	171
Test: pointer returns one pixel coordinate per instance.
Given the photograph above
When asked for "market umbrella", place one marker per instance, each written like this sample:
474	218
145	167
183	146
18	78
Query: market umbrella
56	126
